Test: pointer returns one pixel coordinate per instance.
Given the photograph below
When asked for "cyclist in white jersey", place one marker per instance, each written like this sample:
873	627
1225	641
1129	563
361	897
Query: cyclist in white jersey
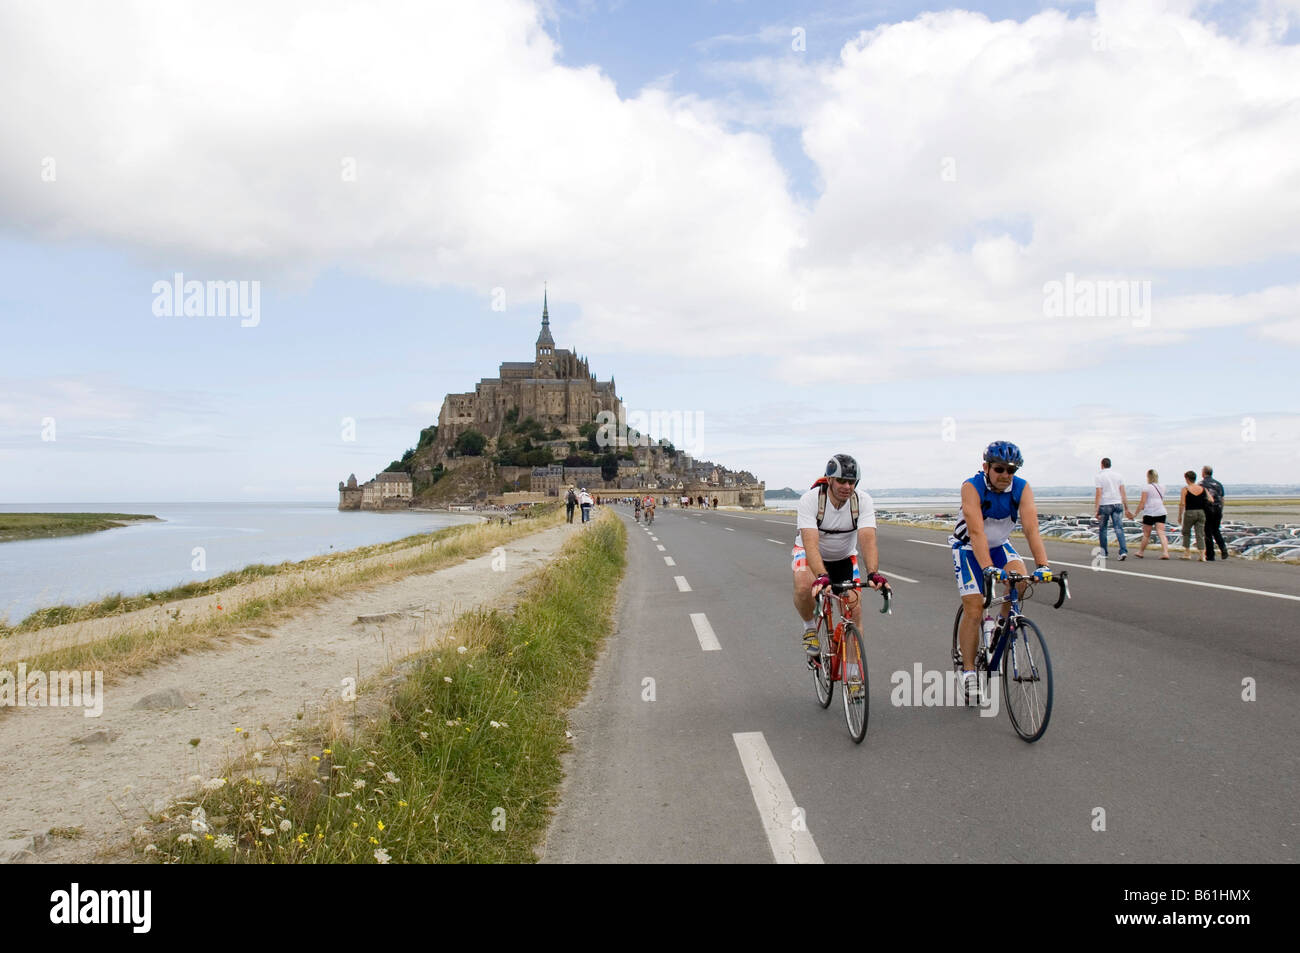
992	502
836	521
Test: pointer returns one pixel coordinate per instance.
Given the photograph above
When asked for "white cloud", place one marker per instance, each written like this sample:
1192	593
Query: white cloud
1123	144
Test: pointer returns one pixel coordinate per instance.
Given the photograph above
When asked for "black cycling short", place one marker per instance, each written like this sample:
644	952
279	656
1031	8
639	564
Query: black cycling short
843	570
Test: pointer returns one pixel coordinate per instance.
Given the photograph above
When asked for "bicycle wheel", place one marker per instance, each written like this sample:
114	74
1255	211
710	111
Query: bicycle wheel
821	668
1027	681
853	668
956	643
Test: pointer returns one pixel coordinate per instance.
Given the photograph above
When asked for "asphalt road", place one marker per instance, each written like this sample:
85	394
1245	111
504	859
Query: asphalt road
687	753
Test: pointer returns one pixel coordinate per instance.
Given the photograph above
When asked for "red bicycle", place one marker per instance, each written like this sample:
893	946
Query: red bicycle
842	658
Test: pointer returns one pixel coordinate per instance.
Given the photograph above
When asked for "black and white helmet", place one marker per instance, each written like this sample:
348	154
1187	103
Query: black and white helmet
843	467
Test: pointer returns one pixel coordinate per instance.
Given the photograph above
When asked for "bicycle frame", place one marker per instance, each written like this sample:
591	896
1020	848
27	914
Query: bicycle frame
837	594
1013	598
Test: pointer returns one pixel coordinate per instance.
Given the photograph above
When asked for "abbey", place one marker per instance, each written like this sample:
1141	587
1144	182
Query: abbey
556	388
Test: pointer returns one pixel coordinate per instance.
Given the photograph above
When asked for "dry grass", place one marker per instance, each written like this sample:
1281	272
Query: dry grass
133	651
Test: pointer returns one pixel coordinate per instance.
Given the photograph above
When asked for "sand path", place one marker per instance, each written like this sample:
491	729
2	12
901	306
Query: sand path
60	769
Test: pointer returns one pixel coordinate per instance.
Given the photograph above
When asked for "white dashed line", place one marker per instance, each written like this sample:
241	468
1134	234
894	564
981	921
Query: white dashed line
728	529
778	522
777	541
669	561
790	843
894	575
704	632
661	547
682	584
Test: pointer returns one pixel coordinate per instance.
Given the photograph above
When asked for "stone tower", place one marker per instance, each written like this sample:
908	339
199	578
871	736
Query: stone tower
544	364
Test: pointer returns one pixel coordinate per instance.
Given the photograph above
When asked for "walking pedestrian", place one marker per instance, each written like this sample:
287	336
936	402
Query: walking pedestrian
1151	507
585	501
1111	503
1213	514
1191	513
570	501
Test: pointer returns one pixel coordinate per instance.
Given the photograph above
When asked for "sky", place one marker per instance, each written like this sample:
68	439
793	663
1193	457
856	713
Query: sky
785	229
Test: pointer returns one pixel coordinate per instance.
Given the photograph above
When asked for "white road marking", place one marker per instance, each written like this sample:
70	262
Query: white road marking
777	541
1143	575
894	575
669	561
728	529
704	632
654	539
775	803
735	517
682	584
661	547
778	522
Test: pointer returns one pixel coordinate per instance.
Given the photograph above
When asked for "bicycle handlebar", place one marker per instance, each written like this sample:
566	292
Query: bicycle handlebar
885	591
1060	578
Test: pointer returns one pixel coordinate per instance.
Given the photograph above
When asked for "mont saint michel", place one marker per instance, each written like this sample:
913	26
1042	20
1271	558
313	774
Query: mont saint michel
534	430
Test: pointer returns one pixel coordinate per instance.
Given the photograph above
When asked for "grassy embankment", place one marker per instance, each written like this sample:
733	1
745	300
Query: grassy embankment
44	525
461	762
303	583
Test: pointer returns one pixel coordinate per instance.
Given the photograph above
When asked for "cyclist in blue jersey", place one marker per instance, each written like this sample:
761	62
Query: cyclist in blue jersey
992	502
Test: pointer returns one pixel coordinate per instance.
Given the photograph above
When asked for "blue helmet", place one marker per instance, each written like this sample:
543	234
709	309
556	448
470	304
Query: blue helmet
1003	451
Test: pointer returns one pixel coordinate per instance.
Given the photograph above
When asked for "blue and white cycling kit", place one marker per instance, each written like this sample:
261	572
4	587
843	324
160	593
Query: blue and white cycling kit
1001	511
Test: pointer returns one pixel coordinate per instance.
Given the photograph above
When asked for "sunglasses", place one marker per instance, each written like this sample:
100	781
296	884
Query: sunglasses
999	468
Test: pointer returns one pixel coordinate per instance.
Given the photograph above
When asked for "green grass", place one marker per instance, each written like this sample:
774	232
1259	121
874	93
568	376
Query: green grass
427	777
43	525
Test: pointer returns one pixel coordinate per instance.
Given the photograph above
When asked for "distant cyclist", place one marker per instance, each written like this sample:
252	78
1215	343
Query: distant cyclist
637	506
648	504
836	521
992	501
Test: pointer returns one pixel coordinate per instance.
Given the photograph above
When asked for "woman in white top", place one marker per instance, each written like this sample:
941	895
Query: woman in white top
1152	510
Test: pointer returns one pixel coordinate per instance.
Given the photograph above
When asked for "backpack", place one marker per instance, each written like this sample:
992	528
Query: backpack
571	498
824	484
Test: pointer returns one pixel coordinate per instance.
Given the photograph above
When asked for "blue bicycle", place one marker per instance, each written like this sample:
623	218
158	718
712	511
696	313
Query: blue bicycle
1018	648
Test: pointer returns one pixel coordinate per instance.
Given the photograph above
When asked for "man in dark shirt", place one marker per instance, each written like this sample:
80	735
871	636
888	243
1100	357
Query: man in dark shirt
1213	514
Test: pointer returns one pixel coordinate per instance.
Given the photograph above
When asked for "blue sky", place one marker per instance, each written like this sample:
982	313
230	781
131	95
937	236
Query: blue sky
843	246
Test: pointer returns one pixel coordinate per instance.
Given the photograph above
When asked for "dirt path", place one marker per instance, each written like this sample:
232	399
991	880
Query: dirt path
60	769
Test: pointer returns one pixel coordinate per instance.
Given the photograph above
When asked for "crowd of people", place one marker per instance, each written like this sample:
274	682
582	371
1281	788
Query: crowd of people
1200	513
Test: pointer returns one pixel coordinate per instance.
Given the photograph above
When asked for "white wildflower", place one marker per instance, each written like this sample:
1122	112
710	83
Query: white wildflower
358	784
223	842
186	839
495	724
461	650
214	784
381	855
391	778
268	831
286	824
199	821
447	679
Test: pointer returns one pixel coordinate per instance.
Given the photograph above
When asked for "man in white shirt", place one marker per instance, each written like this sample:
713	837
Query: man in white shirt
1110	501
827	544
